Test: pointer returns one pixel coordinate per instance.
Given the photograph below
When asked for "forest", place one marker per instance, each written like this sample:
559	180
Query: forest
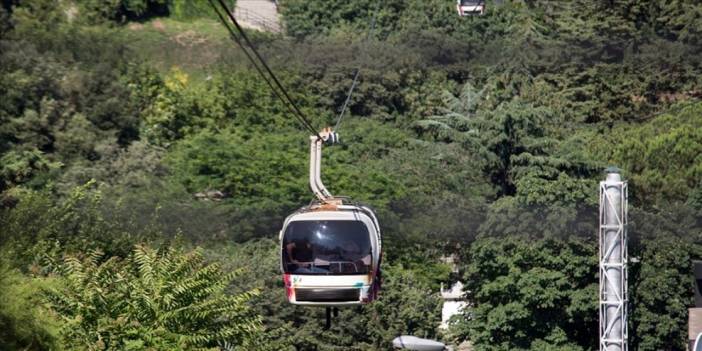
146	169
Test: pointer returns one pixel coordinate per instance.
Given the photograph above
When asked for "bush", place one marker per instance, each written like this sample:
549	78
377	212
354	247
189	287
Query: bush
25	322
154	299
78	223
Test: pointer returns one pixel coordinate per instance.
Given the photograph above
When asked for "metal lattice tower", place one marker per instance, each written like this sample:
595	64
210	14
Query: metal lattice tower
613	263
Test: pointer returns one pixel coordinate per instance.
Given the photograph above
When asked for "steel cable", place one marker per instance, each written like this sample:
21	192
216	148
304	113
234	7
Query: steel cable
358	70
285	97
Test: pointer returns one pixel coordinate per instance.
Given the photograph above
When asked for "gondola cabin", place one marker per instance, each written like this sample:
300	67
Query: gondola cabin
331	255
470	8
331	249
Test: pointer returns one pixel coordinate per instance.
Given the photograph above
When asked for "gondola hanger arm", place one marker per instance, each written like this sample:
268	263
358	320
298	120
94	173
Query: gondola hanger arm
326	136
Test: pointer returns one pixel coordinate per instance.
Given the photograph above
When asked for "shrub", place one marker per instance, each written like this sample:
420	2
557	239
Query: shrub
25	323
154	299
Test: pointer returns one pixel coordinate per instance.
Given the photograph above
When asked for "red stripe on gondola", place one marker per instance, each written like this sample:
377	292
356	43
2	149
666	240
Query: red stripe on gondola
289	291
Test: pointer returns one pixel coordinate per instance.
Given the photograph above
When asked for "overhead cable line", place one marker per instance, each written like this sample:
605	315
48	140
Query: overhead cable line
285	97
358	70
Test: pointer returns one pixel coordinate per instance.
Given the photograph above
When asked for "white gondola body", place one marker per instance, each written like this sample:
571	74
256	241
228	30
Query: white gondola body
325	281
467	8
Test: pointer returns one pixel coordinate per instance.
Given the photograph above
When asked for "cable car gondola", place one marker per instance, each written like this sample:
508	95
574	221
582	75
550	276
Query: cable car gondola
330	250
470	8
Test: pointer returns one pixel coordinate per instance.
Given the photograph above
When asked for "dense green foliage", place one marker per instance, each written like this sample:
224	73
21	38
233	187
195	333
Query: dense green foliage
532	296
154	300
661	311
25	321
132	131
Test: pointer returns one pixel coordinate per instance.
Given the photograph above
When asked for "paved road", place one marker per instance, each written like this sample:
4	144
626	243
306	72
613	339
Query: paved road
258	14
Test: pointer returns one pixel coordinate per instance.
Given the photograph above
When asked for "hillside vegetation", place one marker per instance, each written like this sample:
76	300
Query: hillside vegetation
484	137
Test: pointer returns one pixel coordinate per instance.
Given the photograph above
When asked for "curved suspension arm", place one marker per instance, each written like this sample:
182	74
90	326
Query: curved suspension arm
318	188
318	173
315	151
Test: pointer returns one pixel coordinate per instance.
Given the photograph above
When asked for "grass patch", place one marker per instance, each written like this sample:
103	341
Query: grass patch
195	46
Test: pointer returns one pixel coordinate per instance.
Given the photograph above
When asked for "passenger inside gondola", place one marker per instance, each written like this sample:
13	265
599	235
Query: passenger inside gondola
354	254
327	247
301	257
